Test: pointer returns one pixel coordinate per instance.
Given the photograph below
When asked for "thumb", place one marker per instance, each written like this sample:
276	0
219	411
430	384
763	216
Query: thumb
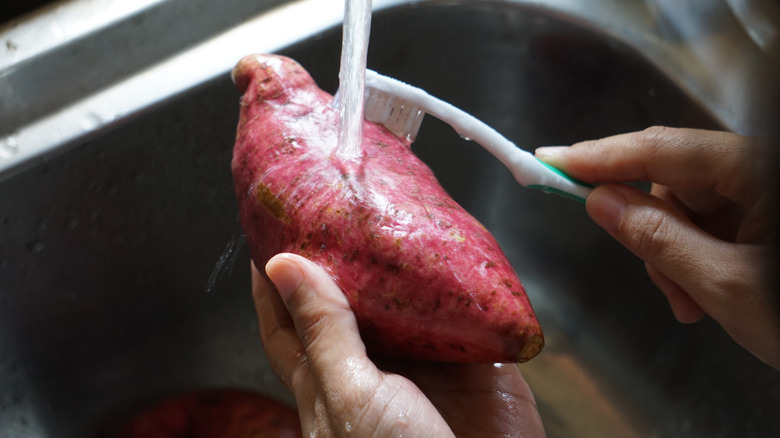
322	317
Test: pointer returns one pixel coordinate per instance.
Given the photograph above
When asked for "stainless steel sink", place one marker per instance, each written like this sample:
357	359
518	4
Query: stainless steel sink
124	277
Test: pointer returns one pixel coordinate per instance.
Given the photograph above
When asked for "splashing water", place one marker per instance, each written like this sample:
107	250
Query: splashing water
226	262
352	77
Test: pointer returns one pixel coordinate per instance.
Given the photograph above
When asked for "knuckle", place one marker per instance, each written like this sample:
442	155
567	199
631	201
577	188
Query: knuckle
649	233
292	367
653	136
656	140
299	376
312	327
310	315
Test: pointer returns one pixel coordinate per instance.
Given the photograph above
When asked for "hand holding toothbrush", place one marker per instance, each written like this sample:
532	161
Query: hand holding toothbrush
311	338
705	230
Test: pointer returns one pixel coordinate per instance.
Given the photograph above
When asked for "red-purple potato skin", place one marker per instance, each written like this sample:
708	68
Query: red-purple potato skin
215	413
425	279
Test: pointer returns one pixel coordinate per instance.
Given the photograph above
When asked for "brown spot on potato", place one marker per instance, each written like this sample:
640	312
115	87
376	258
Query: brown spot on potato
272	204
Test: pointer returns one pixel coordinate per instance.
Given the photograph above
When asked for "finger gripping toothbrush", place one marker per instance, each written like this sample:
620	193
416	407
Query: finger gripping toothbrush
401	107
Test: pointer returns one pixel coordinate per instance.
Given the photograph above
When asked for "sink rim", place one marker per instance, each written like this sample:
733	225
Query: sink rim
22	146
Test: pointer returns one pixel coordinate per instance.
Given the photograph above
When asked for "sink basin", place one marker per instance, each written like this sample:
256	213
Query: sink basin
124	276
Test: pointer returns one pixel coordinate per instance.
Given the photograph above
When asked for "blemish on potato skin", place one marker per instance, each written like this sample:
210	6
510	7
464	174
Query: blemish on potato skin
273	205
457	236
287	146
401	304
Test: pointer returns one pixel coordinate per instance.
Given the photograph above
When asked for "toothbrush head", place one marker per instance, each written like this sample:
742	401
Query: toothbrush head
384	105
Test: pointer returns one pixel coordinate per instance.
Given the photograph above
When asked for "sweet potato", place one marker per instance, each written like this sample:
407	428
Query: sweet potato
215	413
425	279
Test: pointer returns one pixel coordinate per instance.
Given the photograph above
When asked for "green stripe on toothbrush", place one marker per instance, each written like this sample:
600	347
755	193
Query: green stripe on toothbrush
559	192
555	191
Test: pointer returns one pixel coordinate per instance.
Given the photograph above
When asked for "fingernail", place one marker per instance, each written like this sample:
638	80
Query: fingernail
549	151
606	205
551	155
285	275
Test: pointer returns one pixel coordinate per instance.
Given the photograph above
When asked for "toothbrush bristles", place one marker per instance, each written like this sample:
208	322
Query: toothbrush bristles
401	117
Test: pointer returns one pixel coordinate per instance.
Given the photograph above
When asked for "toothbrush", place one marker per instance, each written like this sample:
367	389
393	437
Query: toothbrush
401	107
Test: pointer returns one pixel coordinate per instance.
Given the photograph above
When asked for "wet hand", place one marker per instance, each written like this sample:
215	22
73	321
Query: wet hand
311	339
704	230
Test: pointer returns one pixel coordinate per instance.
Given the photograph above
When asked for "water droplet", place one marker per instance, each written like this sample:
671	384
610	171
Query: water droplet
91	121
9	146
224	266
348	427
465	138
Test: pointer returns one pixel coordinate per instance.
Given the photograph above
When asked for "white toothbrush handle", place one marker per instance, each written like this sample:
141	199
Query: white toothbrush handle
530	172
526	169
